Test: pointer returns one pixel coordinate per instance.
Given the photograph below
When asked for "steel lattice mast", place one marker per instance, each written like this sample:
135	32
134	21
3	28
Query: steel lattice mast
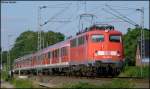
39	28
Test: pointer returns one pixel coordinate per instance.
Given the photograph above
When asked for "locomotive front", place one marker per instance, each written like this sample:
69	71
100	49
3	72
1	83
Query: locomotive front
106	49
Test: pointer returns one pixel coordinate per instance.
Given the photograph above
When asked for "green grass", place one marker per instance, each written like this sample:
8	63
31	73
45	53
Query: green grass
135	71
18	83
22	83
118	83
4	75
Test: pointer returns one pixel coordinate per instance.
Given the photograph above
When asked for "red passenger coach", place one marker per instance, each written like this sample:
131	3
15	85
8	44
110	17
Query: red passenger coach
98	48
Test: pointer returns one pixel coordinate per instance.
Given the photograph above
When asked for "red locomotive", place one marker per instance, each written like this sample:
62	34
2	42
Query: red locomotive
96	50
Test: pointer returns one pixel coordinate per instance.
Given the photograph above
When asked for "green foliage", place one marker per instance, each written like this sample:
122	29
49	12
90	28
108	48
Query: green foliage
135	71
26	43
4	75
118	83
4	57
130	40
22	83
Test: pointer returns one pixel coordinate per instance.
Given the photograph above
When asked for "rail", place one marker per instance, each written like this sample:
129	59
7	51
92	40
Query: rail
46	85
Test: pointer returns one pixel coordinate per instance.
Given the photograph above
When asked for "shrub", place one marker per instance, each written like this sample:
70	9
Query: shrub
21	83
135	71
118	83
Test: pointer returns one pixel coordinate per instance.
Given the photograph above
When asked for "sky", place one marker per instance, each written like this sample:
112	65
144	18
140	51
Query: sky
23	15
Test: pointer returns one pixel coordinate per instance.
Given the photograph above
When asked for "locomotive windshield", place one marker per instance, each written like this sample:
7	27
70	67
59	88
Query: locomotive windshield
97	38
115	38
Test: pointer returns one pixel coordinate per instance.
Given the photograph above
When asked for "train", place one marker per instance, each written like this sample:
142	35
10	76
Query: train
91	52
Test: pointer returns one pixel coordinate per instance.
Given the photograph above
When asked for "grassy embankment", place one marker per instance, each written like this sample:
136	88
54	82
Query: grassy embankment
21	83
129	71
18	83
134	71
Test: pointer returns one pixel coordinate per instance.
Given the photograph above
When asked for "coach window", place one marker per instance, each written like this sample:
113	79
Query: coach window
81	40
42	56
65	51
45	55
53	54
97	38
115	38
73	43
49	55
56	53
61	51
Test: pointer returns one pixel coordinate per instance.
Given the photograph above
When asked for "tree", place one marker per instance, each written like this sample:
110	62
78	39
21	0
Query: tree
26	43
130	43
4	57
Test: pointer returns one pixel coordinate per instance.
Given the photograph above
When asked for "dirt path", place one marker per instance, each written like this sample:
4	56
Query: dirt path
5	84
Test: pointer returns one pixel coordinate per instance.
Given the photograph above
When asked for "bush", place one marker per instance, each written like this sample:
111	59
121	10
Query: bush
118	83
135	71
21	83
4	75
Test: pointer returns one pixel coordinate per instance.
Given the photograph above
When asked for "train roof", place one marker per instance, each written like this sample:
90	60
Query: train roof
95	28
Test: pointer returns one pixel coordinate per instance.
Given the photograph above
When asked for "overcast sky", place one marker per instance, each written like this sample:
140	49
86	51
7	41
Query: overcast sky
22	16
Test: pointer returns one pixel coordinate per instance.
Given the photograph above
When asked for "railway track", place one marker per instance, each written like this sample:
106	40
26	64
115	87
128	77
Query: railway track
90	77
53	81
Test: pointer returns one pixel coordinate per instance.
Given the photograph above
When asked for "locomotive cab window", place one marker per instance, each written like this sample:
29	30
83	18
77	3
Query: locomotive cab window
97	38
115	38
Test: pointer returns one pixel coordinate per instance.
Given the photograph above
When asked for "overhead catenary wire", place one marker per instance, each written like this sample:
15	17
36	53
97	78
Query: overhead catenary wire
65	24
118	16
61	21
121	14
57	14
122	7
71	17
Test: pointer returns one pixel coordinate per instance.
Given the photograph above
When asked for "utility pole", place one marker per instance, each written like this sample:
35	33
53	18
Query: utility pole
40	45
1	58
39	28
8	54
85	10
40	38
142	51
